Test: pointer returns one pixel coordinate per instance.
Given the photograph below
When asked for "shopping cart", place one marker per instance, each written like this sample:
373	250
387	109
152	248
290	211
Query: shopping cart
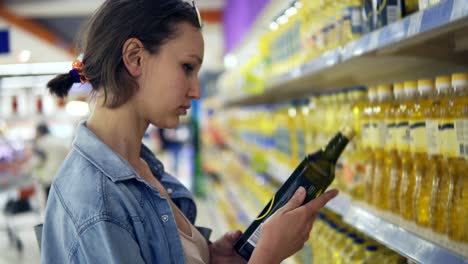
19	206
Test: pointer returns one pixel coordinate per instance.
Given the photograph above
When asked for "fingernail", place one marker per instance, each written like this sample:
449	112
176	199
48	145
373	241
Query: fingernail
300	191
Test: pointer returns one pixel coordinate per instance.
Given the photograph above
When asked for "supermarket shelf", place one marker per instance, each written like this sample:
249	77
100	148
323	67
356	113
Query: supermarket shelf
425	44
416	245
340	204
399	239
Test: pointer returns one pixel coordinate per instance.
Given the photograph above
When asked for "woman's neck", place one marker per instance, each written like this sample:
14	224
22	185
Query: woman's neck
120	129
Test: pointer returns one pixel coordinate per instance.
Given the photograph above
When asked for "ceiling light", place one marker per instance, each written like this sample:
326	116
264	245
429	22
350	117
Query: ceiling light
291	11
24	56
282	20
274	26
230	61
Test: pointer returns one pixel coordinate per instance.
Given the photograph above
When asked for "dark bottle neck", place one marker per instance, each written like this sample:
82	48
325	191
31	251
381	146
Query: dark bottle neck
335	147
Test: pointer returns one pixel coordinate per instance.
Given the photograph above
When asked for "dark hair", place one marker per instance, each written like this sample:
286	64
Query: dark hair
153	22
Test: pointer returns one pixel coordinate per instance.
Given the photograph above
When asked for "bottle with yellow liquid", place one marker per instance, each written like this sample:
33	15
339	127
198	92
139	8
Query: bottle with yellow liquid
418	125
381	178
403	141
392	160
439	170
369	138
357	247
458	166
359	155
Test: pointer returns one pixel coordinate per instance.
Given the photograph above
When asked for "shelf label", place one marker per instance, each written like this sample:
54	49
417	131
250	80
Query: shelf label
374	41
415	24
459	9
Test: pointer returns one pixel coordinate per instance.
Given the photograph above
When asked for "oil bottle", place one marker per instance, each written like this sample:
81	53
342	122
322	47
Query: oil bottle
369	135
457	224
439	171
381	177
418	125
404	137
393	160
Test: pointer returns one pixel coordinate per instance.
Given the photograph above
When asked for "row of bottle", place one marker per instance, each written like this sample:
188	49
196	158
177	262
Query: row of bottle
413	144
333	241
310	28
411	155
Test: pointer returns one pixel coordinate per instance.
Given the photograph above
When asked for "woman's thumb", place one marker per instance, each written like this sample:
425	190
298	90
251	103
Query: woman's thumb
233	235
296	200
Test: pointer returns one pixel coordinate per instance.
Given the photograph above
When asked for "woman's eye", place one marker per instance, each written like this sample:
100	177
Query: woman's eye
188	68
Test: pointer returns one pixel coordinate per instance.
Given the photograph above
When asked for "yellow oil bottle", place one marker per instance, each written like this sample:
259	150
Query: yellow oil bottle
381	177
418	125
283	134
369	135
392	160
439	171
359	154
407	182
457	225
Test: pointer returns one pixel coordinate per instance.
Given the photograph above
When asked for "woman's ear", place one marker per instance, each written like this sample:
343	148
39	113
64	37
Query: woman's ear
132	53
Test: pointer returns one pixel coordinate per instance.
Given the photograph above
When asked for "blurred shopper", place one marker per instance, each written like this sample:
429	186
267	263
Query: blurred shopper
49	152
112	201
172	141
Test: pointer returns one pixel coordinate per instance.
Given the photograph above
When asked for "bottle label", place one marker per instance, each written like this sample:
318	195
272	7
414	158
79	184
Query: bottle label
381	133
283	141
373	134
300	143
283	195
418	141
452	134
356	19
465	136
402	136
432	133
391	141
365	135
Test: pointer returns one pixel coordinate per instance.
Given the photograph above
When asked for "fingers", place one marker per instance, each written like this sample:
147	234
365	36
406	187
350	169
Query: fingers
233	235
318	203
296	200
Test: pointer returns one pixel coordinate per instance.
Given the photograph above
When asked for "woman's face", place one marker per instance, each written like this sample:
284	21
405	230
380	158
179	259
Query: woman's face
169	79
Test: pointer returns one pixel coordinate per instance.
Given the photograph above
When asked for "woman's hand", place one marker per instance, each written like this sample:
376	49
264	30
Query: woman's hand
222	250
286	231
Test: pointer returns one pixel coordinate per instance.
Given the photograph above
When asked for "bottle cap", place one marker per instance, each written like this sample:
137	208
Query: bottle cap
398	87
442	82
348	132
425	86
459	79
371	248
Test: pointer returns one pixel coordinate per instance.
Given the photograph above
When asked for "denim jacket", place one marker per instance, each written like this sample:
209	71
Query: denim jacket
101	211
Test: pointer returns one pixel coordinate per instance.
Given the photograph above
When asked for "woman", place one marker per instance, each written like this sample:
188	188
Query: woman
111	201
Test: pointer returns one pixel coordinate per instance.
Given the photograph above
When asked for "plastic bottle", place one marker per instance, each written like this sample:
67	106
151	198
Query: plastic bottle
369	135
439	171
381	177
458	165
393	160
421	160
407	182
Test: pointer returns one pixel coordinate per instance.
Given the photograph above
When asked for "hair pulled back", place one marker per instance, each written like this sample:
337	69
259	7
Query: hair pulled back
153	22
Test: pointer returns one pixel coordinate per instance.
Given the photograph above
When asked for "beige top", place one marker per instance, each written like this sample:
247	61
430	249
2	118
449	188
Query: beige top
195	247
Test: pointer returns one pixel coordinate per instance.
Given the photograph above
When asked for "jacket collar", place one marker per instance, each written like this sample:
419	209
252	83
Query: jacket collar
105	159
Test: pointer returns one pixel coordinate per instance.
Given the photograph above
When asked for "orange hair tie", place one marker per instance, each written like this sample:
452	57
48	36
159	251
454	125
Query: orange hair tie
78	66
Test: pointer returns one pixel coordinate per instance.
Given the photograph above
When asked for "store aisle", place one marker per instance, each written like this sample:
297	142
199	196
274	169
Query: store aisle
23	227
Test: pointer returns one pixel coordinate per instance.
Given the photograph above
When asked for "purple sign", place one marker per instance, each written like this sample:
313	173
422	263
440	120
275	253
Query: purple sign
239	16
